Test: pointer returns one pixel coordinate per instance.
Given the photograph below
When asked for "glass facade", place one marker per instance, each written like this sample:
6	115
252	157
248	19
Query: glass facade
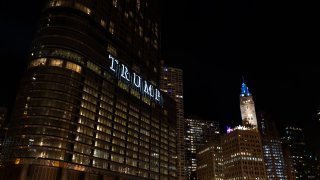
198	133
73	116
272	148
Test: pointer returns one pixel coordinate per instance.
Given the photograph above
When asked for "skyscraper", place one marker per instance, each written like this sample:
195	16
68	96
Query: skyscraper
3	116
198	133
171	82
294	153
272	148
89	104
248	112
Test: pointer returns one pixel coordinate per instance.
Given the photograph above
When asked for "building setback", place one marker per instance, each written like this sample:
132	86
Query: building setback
89	105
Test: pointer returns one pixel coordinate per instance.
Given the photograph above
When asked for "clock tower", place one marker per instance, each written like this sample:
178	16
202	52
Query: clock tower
248	113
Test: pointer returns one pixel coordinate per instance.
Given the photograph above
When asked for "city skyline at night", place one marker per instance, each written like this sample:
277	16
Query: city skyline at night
269	44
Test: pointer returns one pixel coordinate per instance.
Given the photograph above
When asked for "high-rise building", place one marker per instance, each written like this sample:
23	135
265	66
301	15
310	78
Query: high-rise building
294	153
272	148
89	105
171	82
242	154
198	133
318	113
241	146
248	112
3	116
210	161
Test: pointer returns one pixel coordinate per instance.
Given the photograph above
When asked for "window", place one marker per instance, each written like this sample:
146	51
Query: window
38	62
56	62
103	23
73	67
82	8
111	27
115	3
112	50
94	67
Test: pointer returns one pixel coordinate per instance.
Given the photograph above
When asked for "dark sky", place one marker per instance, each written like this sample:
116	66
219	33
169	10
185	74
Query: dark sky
273	44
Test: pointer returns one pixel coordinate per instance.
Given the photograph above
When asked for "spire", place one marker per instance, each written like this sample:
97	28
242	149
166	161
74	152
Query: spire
244	89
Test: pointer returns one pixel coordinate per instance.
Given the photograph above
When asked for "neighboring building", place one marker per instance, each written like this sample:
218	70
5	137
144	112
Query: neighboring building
312	161
3	116
210	162
89	106
272	149
198	133
318	114
242	154
171	82
248	113
295	151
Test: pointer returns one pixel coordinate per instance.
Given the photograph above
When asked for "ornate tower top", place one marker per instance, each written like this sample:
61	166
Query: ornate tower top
244	90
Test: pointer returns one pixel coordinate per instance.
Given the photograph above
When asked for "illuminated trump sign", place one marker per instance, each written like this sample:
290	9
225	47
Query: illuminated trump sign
134	80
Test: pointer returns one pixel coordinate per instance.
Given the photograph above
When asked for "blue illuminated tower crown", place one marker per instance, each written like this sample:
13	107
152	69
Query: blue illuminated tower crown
244	90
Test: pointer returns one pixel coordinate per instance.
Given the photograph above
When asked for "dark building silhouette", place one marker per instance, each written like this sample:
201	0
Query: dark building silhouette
3	117
272	148
89	105
300	162
294	152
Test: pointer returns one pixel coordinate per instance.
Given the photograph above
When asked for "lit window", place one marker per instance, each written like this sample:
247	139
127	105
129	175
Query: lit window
103	23
73	67
111	27
138	5
140	31
115	3
82	8
38	62
56	62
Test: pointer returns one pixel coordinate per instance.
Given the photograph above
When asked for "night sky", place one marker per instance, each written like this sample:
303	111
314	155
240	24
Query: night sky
273	45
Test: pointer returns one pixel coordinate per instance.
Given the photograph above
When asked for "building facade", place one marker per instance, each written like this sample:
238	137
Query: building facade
294	153
242	154
248	112
3	117
89	104
198	133
272	148
210	161
171	82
